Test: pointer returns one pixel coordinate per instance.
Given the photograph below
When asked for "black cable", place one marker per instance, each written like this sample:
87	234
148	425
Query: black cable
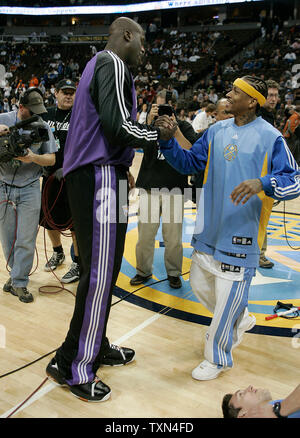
53	351
287	212
8	201
133	292
285	231
142	287
27	365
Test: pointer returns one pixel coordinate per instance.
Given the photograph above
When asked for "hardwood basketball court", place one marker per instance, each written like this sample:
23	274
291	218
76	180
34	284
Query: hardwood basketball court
167	331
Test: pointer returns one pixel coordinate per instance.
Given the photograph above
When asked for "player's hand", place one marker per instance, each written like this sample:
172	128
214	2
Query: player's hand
58	174
131	181
244	191
167	126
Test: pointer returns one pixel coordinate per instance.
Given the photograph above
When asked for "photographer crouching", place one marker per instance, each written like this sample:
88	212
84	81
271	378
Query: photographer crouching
26	145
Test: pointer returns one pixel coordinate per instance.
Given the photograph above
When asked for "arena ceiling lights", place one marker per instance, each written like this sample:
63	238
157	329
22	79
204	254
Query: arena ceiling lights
113	9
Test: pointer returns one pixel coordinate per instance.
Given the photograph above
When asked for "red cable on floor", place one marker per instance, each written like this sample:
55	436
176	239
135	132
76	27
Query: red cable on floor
28	398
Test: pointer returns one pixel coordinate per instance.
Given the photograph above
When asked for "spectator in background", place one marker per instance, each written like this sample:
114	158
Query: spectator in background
212	96
181	114
289	97
296	44
257	65
6	105
204	119
195	104
219	86
7	89
142	114
222	112
249	65
148	66
290	57
291	132
268	113
34	82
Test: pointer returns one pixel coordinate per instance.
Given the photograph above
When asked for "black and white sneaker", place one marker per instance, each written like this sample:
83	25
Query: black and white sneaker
56	259
95	391
72	275
54	374
118	356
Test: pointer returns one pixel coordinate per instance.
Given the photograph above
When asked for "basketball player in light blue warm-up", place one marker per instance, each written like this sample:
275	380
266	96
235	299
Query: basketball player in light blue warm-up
247	164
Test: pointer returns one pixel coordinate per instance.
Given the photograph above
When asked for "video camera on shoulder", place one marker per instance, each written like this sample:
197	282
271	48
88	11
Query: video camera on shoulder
15	143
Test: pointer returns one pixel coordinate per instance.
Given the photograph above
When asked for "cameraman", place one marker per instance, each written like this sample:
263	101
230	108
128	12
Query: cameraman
162	192
20	195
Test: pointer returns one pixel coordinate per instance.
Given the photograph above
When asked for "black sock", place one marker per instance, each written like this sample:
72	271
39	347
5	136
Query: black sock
58	249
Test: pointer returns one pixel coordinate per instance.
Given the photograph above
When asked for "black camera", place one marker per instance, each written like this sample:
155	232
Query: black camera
165	110
15	143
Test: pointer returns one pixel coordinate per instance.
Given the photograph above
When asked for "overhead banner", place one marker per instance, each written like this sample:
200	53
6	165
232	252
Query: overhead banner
113	9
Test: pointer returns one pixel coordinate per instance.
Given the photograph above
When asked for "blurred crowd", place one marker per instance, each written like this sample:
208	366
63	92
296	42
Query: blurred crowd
172	61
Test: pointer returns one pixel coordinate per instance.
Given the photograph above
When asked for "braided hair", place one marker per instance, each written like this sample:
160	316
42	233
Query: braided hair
259	84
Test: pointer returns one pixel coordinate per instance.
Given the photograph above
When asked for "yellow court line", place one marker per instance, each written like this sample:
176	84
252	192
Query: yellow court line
296	302
185	305
164	299
285	260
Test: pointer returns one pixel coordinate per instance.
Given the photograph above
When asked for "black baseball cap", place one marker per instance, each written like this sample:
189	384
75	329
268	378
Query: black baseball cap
65	84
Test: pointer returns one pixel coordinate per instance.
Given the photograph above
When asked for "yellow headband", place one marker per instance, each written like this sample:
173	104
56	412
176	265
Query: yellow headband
251	91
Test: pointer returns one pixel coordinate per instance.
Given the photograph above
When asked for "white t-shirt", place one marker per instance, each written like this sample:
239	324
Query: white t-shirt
201	121
143	117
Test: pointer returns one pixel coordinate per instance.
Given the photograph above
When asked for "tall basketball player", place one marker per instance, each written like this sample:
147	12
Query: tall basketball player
98	153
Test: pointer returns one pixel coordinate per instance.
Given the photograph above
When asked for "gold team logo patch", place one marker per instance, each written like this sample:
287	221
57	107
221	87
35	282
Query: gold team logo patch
230	152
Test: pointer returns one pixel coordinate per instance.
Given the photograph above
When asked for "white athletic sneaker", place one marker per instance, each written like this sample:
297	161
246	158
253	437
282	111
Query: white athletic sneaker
207	371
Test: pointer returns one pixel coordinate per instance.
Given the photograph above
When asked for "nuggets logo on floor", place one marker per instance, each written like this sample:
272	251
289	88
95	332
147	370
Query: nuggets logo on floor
268	286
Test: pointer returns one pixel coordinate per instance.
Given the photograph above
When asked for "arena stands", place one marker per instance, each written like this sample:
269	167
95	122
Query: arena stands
197	65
